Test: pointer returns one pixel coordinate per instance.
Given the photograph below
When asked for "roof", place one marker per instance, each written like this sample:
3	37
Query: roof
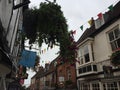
112	16
52	68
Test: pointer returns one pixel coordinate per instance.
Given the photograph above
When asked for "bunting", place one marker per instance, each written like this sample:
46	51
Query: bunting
100	15
110	7
44	50
100	21
81	27
73	32
90	22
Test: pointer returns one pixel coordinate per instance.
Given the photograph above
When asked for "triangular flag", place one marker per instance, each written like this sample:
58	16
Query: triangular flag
100	15
40	52
81	27
74	32
47	48
44	50
90	22
110	7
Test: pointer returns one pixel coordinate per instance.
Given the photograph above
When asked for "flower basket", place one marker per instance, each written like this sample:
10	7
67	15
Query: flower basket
115	58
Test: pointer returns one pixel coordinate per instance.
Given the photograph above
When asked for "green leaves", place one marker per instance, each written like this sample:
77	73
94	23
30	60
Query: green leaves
48	24
115	58
30	24
48	20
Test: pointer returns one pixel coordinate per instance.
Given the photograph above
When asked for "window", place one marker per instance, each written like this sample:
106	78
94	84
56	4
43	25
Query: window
85	86
88	68
83	55
107	71
114	38
94	68
68	73
95	86
80	58
110	86
86	54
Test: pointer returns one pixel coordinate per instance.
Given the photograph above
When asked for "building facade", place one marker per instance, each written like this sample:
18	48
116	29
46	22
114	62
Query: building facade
44	79
66	75
11	14
96	45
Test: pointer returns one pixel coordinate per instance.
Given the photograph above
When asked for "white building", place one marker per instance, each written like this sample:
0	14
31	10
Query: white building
10	44
95	71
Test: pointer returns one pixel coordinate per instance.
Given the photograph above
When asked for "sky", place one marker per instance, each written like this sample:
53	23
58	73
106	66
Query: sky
77	13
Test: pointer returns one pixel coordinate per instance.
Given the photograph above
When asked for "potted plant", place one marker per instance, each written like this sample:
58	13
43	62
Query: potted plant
48	24
115	58
68	83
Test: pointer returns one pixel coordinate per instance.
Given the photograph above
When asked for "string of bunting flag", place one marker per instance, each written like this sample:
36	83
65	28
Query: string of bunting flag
99	15
43	51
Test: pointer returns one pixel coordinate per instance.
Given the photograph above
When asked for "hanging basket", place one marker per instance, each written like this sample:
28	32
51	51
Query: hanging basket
115	58
47	24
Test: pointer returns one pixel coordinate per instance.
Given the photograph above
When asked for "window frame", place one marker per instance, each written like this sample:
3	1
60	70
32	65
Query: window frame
68	73
84	69
81	55
115	39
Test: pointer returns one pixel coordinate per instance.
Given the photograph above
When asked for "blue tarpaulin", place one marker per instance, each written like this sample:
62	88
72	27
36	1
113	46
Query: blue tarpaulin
28	58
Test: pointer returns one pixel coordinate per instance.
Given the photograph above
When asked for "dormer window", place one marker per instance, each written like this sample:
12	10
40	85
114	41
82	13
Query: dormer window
114	38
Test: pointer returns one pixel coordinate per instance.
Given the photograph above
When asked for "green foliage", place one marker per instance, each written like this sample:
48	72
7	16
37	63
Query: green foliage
30	24
48	24
115	58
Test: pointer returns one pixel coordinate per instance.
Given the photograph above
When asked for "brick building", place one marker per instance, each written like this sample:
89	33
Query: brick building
66	75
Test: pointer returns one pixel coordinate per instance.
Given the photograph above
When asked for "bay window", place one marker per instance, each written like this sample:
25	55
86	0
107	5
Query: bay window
88	68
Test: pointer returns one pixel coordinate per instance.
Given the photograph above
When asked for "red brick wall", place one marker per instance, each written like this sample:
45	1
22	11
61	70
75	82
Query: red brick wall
63	68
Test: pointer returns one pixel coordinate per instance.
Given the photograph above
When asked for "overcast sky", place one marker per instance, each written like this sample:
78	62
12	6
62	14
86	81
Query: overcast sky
77	13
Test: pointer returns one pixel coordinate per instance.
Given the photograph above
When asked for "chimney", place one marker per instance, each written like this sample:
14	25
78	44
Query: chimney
41	69
47	66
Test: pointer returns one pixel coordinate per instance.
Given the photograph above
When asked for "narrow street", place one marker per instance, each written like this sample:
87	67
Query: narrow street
59	45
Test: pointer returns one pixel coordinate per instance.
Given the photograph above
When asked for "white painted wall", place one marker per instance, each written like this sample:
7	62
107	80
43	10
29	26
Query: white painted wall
5	12
101	46
14	27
